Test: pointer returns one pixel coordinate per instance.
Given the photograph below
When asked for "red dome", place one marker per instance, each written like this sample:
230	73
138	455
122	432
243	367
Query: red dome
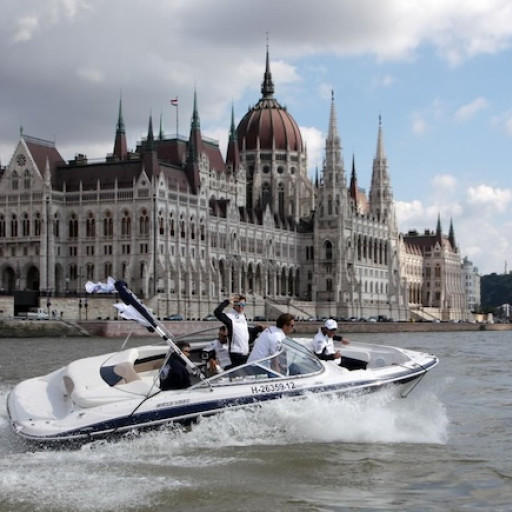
272	125
269	123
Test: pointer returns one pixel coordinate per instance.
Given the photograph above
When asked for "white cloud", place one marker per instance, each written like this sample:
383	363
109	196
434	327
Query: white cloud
489	199
419	125
91	75
469	110
315	141
25	29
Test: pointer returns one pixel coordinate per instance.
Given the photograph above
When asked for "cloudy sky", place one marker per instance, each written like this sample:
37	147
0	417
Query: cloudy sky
437	71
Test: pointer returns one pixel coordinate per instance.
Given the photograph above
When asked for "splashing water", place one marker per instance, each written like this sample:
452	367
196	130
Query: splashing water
140	467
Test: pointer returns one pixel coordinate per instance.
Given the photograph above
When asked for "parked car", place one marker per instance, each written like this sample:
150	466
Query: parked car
174	318
259	318
209	318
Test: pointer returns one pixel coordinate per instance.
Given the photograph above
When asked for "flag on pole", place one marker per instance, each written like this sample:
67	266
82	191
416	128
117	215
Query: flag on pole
128	312
174	102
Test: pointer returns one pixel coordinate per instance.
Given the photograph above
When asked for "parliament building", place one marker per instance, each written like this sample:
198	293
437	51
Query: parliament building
186	227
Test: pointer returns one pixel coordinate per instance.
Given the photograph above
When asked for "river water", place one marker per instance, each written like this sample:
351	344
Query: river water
446	447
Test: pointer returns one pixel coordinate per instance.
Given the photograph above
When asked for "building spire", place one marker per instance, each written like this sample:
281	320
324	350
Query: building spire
334	174
267	86
161	135
120	146
381	194
353	186
451	234
233	153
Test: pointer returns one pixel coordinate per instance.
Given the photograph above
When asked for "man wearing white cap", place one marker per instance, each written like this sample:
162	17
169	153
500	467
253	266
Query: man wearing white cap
324	347
323	341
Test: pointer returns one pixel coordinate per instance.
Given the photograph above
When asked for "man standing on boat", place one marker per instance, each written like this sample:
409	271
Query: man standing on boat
239	333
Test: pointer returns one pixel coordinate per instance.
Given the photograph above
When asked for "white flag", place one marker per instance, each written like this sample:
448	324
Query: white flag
130	313
100	287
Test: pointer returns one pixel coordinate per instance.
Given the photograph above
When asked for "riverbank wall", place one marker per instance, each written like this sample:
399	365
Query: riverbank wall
17	328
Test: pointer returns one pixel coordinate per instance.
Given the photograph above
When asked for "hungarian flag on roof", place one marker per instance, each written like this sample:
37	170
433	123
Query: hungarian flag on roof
174	102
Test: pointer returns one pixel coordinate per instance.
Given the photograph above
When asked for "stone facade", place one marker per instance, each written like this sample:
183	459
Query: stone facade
186	227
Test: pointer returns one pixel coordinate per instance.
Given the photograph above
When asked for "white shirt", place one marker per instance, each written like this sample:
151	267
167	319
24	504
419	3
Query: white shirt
321	341
240	341
221	352
267	343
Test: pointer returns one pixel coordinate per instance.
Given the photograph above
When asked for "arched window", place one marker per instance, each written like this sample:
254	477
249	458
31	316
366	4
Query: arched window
265	195
126	224
15	180
182	226
25	225
144	223
14	225
26	179
108	225
56	226
171	224
90	225
73	226
328	250
37	224
2	226
280	198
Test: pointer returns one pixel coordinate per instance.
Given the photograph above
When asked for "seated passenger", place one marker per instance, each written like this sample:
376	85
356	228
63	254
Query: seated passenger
216	353
174	373
269	341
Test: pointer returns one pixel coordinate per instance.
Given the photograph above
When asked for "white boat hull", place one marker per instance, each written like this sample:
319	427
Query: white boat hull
86	399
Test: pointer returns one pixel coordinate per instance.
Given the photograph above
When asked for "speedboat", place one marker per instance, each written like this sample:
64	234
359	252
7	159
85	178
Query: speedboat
115	393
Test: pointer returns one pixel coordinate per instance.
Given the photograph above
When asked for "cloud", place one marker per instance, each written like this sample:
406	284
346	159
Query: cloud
503	122
467	111
315	141
489	199
25	28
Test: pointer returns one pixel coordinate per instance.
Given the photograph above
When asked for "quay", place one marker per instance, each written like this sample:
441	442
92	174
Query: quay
24	328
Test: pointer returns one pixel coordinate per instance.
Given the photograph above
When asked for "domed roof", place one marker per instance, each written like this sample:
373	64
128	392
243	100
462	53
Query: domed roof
269	122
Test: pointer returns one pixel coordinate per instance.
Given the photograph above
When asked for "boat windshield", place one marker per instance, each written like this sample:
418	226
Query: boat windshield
292	360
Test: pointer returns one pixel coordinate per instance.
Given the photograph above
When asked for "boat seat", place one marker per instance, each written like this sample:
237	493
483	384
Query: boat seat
127	372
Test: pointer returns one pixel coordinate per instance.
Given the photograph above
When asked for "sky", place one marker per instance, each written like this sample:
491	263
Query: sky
437	72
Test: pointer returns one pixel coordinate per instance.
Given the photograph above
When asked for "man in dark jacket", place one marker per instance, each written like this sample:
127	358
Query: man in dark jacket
174	373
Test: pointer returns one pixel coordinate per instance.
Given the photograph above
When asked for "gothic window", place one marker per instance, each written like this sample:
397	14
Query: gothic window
328	285
107	270
73	226
108	225
329	205
161	223
328	250
26	179
171	224
265	195
280	195
15	180
56	226
14	225
144	223
90	226
202	229
2	226
192	229
182	226
25	225
37	224
126	224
